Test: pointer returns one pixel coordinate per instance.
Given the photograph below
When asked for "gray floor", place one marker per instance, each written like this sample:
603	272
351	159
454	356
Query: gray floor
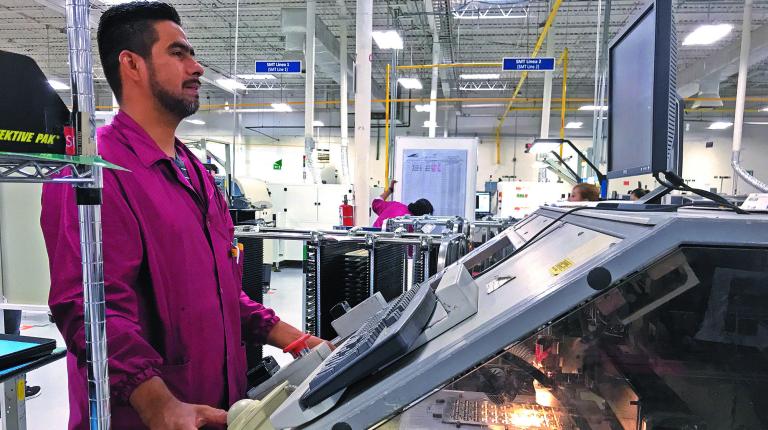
50	410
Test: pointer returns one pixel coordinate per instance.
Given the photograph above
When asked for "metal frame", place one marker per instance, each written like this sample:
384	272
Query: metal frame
16	169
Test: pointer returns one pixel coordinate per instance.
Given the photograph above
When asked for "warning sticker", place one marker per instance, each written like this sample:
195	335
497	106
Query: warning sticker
561	267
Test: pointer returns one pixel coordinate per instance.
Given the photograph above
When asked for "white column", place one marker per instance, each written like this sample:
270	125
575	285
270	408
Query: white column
547	104
309	91
741	90
433	88
344	122
363	41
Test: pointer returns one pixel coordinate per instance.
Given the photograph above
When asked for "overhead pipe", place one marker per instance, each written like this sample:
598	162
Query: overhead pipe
89	214
741	93
433	86
344	120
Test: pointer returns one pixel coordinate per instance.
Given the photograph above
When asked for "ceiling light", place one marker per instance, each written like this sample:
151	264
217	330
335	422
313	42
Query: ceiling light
410	83
480	76
430	124
281	107
594	108
389	39
765	109
422	108
707	34
317	123
756	122
57	85
115	2
720	125
195	121
482	105
252	110
230	84
574	124
258	77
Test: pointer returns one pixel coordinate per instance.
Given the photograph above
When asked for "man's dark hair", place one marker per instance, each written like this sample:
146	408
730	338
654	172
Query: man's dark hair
421	207
589	192
131	27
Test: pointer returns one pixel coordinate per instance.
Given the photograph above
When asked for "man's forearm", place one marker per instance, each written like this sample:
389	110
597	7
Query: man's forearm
283	334
150	397
385	195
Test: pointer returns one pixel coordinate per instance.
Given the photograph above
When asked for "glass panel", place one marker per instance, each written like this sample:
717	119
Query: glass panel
680	345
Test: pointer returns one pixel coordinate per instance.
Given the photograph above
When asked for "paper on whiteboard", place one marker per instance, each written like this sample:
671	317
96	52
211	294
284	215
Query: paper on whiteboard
438	175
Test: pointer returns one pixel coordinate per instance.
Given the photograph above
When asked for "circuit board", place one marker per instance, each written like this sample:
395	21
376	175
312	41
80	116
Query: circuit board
512	416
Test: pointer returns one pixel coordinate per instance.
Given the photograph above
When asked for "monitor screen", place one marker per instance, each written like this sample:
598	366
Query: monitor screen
642	99
483	202
631	99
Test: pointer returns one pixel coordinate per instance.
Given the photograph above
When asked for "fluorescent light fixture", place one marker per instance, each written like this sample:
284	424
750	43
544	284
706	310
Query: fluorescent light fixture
707	34
574	124
57	85
482	105
195	121
430	124
410	83
103	114
317	123
765	109
253	110
756	122
480	76
114	2
281	107
720	125
389	39
544	146
421	108
594	108
230	84
257	77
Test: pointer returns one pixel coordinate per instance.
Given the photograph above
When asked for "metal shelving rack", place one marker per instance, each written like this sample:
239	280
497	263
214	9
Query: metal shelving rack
87	179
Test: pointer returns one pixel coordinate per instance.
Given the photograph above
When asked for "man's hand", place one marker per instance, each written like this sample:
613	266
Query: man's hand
392	186
160	410
313	341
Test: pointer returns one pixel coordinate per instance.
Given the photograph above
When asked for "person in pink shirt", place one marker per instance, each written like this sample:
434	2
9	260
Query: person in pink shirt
386	210
177	320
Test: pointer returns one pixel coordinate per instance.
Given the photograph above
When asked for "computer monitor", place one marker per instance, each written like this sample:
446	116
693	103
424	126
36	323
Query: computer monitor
643	103
482	202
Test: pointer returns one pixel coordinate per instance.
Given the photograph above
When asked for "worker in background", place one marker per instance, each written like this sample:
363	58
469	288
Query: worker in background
637	194
584	192
177	320
386	210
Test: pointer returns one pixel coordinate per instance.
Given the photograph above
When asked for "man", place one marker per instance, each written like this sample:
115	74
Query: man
637	194
177	318
584	192
386	210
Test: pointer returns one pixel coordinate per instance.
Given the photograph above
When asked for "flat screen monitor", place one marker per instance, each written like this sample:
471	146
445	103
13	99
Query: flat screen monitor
642	96
483	202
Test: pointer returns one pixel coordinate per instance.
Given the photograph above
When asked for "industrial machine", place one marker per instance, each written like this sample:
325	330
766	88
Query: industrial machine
600	318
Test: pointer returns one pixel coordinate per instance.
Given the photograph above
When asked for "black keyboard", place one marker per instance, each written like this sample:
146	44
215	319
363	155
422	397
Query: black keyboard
386	336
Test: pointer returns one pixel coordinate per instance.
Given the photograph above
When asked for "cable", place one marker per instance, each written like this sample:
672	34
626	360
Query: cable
674	182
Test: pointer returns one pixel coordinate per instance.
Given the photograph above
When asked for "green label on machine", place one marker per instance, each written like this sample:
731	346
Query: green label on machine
278	165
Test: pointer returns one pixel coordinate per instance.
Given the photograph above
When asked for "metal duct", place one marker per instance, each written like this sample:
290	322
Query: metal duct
327	47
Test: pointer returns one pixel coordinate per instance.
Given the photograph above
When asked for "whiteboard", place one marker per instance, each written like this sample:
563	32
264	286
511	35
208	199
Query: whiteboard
441	170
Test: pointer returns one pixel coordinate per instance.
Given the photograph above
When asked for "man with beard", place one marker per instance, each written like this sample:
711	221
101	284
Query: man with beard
177	319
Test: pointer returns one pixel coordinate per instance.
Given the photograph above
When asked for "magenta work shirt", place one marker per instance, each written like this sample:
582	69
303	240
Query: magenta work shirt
386	210
175	306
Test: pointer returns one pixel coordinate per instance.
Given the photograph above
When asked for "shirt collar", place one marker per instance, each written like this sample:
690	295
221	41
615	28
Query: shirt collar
140	142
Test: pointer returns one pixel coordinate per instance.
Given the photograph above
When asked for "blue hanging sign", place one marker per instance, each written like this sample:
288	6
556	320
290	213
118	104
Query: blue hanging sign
278	67
529	64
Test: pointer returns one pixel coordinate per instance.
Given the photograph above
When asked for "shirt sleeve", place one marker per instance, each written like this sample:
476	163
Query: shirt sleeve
132	360
257	319
378	206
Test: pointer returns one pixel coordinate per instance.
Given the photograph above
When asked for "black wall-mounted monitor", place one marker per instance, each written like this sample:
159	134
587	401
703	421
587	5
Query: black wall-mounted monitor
642	98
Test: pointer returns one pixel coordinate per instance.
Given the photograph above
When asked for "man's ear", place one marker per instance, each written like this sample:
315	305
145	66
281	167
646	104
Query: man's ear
131	66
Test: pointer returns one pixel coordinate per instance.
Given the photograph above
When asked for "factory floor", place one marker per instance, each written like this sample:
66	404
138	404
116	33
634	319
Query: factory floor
50	410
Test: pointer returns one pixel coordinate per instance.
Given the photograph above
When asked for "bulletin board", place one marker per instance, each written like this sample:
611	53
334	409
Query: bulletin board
441	170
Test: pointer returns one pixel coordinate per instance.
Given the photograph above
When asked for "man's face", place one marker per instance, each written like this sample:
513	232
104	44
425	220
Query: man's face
174	74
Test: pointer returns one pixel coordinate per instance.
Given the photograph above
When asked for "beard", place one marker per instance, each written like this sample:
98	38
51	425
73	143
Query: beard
173	103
